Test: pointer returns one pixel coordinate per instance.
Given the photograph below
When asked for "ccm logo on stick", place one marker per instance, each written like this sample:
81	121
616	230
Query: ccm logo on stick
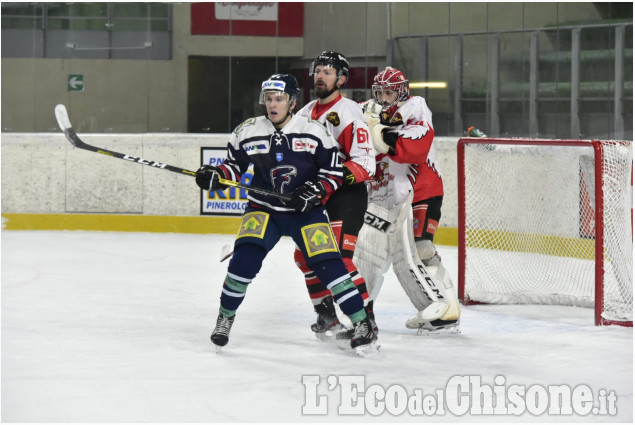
143	161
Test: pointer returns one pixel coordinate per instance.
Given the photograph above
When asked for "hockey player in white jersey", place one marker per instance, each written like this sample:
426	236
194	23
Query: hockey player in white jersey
407	174
345	121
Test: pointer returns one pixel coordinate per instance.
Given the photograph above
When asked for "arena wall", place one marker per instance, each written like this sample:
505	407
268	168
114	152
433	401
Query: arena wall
47	184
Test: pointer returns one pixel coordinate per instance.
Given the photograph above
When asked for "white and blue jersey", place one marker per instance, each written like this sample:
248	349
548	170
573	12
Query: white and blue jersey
283	160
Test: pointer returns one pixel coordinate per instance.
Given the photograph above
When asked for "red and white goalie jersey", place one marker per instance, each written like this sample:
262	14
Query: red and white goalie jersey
413	164
345	121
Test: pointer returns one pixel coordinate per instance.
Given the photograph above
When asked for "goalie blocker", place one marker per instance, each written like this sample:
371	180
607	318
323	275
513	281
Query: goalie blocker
386	237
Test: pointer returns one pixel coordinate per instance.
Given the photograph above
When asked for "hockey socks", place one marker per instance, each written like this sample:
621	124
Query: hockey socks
243	267
233	294
317	291
357	278
344	291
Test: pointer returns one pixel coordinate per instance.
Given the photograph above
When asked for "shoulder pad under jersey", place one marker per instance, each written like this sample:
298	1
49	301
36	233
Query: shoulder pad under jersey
246	123
322	125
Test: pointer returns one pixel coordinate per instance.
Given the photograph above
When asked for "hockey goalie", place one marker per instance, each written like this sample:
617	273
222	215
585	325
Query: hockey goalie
404	206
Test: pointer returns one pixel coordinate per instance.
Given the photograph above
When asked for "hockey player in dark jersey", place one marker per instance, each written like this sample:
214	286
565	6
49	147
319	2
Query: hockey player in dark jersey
290	155
345	121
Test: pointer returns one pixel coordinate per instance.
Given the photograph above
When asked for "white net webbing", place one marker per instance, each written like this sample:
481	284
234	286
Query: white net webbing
530	225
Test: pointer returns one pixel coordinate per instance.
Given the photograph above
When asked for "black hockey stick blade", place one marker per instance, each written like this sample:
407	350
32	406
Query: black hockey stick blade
65	124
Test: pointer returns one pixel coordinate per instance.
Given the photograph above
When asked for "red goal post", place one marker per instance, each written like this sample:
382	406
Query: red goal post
547	222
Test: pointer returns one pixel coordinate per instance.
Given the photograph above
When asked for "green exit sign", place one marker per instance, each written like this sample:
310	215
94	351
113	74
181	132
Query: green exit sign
75	82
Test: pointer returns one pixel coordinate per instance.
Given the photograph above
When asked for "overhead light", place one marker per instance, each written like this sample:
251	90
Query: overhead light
73	46
429	85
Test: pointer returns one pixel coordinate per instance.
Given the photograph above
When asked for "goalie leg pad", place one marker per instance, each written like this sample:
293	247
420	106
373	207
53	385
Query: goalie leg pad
432	261
420	287
427	252
372	252
448	322
441	275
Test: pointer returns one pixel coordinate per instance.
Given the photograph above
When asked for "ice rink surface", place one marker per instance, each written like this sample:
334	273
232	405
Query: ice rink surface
114	327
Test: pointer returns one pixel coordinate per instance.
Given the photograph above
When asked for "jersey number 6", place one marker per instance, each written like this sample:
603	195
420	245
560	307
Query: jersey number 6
362	136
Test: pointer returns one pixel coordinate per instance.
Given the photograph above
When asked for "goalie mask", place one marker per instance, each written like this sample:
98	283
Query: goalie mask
386	85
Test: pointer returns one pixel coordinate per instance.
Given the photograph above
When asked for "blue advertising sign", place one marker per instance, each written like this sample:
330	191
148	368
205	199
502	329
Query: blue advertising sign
231	201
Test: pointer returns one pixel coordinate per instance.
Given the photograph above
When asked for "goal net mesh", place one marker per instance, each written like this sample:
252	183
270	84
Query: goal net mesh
530	226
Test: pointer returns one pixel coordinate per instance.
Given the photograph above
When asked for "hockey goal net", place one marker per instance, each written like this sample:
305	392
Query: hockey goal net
547	222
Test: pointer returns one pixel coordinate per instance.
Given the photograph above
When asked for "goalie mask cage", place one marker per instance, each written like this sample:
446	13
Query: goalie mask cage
547	222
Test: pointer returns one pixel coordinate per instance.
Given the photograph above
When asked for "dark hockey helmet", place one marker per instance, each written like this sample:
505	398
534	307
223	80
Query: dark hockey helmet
285	83
332	59
391	79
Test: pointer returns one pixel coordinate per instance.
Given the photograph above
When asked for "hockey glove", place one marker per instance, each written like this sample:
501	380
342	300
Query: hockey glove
376	132
349	177
208	178
390	138
371	107
307	196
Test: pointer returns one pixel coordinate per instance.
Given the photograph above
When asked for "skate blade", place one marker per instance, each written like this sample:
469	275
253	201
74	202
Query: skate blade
368	350
446	330
218	349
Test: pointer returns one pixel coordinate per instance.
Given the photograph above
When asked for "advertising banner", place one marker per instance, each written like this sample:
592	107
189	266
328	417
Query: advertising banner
231	201
263	19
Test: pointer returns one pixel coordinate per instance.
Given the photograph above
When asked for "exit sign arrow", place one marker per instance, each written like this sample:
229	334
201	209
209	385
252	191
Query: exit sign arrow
76	82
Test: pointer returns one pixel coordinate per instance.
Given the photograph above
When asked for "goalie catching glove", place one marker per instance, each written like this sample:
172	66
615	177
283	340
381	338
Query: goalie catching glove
208	178
384	140
307	196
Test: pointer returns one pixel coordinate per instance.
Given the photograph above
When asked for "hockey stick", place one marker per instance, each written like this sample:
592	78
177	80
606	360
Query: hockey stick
226	252
65	124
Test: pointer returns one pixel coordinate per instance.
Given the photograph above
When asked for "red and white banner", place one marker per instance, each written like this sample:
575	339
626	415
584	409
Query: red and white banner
246	11
266	19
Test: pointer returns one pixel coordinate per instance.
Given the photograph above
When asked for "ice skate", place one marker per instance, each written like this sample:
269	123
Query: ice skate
437	327
364	340
327	323
220	336
347	334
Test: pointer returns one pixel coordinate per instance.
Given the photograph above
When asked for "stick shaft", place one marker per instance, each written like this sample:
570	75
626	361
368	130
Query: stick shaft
71	135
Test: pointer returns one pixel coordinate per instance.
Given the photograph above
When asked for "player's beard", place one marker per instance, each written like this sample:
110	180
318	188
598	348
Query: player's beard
324	92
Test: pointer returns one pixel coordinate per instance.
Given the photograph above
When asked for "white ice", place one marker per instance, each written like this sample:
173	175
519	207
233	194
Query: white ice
114	327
